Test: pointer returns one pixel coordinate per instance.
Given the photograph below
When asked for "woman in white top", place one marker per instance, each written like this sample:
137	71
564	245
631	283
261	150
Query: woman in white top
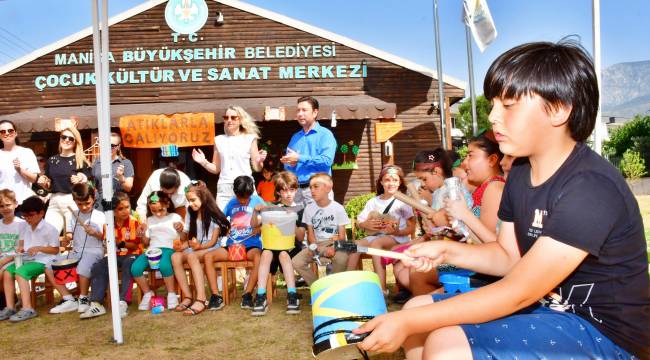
235	152
18	165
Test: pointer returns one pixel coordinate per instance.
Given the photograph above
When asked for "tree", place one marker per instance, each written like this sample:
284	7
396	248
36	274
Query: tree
344	150
629	135
464	121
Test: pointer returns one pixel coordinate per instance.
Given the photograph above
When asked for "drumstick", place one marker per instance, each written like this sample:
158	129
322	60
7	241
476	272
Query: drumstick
415	194
414	203
384	253
79	221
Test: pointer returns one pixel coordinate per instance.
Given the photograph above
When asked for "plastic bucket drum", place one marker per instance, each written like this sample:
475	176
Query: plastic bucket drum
65	271
154	255
340	303
278	230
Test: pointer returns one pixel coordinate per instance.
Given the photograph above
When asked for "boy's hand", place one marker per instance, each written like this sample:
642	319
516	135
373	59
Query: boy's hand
178	226
388	332
456	209
427	255
33	250
329	252
20	249
67	239
141	230
178	245
374	224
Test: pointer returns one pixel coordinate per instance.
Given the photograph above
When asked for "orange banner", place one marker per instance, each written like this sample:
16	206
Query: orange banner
153	131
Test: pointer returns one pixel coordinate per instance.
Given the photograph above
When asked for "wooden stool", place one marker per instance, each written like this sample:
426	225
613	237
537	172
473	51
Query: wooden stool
270	288
230	278
46	289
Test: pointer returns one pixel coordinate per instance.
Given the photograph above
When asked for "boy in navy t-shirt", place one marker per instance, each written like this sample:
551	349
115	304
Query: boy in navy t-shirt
571	247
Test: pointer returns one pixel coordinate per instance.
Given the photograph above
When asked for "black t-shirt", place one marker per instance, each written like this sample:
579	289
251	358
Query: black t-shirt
588	205
59	169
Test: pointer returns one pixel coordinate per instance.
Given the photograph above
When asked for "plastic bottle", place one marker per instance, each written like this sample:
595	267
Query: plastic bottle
158	309
454	192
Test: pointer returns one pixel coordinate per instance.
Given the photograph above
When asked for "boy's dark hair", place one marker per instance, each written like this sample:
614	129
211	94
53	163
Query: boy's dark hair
170	179
163	198
208	210
312	101
121	196
32	204
562	74
82	192
428	160
488	143
244	186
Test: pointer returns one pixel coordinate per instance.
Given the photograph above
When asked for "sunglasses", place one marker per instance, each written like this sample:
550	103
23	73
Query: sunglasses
41	160
67	138
228	117
7	132
113	146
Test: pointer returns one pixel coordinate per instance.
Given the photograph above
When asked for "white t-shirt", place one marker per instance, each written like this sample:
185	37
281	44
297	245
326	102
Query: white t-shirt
235	156
10	234
10	178
44	235
161	232
199	229
153	184
325	220
96	219
398	210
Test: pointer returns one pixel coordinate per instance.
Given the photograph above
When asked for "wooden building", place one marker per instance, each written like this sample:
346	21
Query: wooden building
242	55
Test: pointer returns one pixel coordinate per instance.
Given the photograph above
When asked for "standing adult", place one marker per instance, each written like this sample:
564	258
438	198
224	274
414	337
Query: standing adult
172	182
235	152
18	165
310	150
62	171
121	171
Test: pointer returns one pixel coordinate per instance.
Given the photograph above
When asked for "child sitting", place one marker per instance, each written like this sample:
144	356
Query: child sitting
10	228
242	233
286	186
86	231
159	232
129	245
38	245
204	223
389	220
326	220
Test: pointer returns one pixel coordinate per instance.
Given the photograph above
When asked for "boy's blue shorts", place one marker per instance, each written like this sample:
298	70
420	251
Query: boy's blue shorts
538	332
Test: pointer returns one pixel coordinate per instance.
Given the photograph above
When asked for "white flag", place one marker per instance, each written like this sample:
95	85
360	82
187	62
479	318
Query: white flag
479	20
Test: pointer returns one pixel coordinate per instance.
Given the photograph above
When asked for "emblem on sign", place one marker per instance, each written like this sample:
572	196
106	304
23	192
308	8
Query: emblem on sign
186	16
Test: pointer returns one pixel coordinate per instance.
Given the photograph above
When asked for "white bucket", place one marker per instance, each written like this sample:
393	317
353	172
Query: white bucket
278	230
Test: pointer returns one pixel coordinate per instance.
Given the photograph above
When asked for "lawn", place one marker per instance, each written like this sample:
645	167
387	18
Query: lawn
231	333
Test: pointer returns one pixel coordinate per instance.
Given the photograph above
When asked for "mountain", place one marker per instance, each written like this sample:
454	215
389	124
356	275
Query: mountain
626	90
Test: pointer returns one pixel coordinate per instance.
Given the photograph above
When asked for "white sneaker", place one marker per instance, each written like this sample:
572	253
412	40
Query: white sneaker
84	304
172	301
65	306
124	309
144	304
95	309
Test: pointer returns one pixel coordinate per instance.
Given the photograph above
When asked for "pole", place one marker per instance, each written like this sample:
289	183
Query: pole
598	135
102	95
470	66
441	83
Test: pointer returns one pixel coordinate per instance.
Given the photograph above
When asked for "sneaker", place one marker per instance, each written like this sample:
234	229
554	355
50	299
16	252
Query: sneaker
402	297
144	304
95	309
293	304
216	303
6	313
172	301
23	314
124	309
65	306
84	304
300	282
246	301
261	306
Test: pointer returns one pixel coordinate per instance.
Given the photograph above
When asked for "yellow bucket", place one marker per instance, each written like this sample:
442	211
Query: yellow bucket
278	230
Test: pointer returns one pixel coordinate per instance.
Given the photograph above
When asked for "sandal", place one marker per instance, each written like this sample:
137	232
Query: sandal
191	311
183	306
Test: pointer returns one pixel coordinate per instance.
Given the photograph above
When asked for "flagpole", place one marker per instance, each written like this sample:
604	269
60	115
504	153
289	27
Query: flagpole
598	135
441	83
102	95
470	65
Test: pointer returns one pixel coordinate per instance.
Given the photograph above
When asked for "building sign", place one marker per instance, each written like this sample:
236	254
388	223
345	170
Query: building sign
386	130
186	16
154	131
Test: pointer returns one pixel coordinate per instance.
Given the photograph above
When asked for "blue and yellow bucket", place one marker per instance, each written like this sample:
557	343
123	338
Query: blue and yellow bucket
341	303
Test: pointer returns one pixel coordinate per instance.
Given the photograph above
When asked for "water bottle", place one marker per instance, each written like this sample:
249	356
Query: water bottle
18	259
158	309
454	192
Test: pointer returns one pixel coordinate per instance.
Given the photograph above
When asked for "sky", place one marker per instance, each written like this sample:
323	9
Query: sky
403	28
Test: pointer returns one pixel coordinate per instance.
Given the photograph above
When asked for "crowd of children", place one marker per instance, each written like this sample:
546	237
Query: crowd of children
528	232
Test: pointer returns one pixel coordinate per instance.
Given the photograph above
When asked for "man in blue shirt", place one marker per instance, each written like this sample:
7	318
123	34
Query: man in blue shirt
310	150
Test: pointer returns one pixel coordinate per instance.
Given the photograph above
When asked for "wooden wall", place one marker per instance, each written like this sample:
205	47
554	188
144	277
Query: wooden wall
411	91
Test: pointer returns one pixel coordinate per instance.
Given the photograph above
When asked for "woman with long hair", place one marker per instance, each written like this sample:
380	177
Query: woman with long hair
62	171
235	152
18	165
